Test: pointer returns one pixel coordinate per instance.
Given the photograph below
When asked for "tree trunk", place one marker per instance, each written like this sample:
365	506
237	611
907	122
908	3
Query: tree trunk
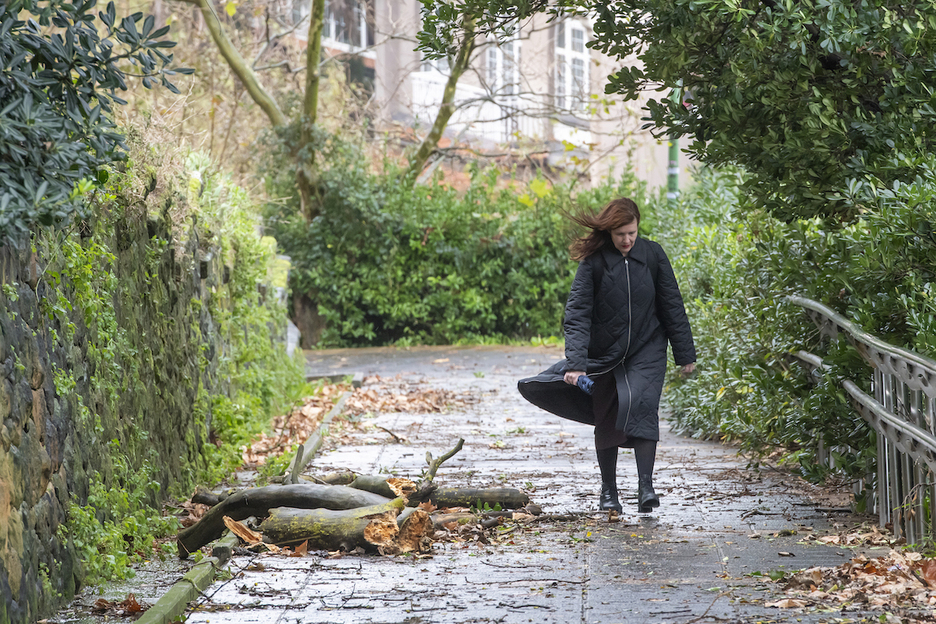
305	175
258	502
429	144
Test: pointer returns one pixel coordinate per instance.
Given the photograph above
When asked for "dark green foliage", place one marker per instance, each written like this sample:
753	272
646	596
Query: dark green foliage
807	96
388	263
58	83
735	272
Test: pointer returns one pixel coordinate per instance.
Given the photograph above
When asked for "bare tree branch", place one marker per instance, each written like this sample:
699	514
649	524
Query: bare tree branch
238	64
447	107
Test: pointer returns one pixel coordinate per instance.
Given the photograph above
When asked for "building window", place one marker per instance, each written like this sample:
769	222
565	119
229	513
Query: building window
347	23
510	70
503	69
571	76
578	83
492	55
578	40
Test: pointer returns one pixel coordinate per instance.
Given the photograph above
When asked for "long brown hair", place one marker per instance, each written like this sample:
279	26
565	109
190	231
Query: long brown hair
621	211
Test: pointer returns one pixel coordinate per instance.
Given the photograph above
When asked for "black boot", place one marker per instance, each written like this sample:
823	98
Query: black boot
647	499
608	500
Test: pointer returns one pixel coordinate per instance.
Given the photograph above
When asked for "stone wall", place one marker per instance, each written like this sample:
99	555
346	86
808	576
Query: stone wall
104	336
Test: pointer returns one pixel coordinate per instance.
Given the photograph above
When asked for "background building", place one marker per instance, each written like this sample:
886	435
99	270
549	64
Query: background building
537	97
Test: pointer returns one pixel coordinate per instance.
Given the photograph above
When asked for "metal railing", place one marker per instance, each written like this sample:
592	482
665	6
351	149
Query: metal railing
902	412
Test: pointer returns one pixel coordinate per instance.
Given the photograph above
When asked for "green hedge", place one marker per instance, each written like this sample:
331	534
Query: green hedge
390	264
736	265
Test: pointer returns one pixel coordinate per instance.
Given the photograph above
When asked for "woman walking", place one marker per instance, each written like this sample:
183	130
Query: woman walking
623	308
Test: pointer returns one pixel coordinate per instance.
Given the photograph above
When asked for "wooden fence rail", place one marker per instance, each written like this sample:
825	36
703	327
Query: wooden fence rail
903	413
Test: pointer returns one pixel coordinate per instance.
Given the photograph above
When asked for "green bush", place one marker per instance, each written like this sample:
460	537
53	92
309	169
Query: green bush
62	65
386	263
736	266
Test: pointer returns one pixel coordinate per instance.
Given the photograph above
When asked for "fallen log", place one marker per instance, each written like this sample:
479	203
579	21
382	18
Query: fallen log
370	527
204	496
259	501
380	484
507	498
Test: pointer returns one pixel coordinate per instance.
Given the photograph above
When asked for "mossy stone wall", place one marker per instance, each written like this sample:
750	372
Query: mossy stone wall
107	343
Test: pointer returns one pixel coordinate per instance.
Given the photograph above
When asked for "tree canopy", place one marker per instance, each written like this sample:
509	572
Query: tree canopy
59	79
811	97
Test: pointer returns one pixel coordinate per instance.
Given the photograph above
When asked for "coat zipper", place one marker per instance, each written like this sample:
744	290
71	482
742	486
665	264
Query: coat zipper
630	323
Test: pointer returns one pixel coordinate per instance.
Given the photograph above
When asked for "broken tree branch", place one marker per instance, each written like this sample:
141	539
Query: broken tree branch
259	501
435	463
381	526
426	487
311	446
507	498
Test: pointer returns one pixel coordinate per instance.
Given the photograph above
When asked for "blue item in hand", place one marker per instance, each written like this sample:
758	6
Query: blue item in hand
585	384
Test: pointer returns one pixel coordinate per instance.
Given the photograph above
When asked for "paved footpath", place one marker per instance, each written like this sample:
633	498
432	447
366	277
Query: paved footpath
692	561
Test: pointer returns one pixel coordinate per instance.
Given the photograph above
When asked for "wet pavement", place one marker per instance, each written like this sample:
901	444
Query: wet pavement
701	557
692	561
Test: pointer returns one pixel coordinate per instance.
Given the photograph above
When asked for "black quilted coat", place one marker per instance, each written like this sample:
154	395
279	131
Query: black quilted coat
618	317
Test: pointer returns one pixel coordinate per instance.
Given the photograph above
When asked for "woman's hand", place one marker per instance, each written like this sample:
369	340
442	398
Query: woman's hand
686	370
571	377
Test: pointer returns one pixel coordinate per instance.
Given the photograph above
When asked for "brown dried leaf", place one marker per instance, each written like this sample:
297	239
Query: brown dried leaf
301	550
241	531
102	606
127	606
427	506
130	605
786	603
928	572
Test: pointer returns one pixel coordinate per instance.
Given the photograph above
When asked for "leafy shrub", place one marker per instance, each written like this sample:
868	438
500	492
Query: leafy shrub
386	263
737	266
113	524
57	85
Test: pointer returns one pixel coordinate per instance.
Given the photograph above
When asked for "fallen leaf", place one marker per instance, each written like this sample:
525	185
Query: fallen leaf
783	553
786	603
241	531
301	550
928	572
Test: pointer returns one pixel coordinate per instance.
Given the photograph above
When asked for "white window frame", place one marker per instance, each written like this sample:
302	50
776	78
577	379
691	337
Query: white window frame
571	92
330	29
502	69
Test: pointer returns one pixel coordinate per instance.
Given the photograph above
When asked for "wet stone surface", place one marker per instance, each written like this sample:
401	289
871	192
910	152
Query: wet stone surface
695	560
